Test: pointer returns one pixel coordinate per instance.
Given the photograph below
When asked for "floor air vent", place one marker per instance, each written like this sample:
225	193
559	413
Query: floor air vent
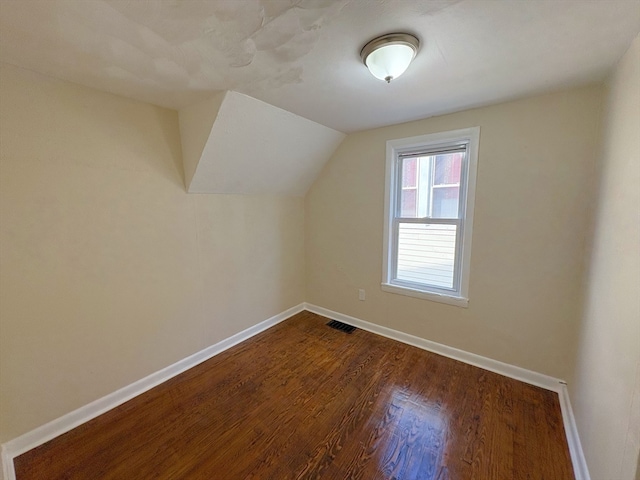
341	326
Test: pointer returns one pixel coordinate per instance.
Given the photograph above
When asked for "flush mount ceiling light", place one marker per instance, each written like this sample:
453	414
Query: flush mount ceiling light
387	57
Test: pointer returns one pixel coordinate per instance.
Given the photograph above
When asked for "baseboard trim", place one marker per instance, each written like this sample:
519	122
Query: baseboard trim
57	427
511	371
518	373
580	469
44	433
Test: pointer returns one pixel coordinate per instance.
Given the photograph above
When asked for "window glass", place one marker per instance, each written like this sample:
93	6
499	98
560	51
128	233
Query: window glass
431	186
426	254
445	202
409	202
409	173
447	169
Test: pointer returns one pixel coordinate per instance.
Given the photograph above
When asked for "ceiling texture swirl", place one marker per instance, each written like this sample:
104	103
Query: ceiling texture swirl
302	56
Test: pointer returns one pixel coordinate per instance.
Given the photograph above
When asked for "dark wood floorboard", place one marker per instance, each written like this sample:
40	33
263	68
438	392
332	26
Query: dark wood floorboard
304	401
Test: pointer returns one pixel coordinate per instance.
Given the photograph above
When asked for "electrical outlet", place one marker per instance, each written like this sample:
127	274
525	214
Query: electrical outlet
361	294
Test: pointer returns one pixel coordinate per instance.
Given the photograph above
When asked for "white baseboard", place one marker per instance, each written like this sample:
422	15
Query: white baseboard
61	425
48	431
580	469
511	371
527	376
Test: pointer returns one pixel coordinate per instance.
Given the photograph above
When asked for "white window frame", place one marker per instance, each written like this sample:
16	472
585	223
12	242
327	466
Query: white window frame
396	150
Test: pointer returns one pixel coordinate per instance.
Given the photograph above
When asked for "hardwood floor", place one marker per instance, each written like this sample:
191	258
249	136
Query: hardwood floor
303	400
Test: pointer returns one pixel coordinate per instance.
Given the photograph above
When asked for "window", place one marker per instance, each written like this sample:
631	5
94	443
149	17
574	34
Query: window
429	195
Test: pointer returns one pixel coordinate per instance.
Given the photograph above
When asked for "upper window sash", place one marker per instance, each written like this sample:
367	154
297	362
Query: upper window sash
461	147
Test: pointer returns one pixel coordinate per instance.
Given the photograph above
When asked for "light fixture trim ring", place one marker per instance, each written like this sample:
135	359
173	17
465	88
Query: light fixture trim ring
390	39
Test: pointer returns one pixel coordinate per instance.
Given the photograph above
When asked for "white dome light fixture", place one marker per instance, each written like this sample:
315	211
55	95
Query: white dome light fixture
387	57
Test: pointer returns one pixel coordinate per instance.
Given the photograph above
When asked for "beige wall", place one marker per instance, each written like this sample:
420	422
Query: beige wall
536	165
606	387
109	271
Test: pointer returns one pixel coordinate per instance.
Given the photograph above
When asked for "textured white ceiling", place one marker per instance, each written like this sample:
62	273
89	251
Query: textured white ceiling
303	55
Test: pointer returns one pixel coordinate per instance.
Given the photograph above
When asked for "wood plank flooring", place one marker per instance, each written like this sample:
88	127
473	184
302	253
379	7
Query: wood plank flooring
305	401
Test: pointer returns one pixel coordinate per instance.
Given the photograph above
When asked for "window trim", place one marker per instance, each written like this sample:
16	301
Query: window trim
401	148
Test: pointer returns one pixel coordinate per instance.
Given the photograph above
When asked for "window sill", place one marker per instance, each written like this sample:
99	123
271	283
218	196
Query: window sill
434	297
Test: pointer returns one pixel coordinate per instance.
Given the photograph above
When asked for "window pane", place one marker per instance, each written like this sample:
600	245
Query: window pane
426	254
445	195
414	198
447	169
409	197
445	202
409	172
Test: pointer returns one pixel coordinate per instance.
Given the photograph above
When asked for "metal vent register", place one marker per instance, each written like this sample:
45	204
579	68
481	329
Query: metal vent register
343	327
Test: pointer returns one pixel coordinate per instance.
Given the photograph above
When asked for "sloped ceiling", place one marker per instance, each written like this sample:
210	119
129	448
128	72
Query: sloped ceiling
208	58
233	143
